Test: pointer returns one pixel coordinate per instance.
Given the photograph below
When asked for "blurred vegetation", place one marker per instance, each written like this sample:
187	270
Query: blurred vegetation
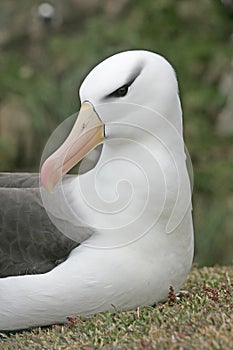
43	60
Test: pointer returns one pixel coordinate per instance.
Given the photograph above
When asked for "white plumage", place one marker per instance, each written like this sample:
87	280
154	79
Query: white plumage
136	201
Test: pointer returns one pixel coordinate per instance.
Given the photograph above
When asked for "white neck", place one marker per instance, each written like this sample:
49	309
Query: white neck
140	179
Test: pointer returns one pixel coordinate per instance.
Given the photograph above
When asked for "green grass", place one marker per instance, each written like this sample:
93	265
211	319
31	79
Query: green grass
201	318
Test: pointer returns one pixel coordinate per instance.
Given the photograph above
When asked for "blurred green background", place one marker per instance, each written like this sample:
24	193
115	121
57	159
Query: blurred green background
45	52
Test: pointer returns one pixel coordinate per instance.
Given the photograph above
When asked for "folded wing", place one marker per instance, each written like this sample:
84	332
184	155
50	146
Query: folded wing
29	242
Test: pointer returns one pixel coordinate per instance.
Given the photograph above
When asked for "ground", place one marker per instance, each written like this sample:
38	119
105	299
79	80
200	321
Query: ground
201	317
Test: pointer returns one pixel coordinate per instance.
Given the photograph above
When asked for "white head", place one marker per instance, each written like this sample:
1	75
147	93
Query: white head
115	91
137	77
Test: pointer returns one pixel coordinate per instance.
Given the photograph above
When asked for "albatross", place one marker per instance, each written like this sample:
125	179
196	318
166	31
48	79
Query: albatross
118	233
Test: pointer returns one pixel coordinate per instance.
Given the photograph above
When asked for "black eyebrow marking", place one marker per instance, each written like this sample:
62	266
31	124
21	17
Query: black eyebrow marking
133	76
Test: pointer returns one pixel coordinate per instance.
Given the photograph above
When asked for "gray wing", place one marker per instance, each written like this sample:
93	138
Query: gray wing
19	180
29	242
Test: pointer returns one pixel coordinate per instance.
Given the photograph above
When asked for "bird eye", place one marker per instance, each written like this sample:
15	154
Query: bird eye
121	92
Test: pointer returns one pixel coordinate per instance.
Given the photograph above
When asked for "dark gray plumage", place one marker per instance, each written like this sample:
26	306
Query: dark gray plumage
29	242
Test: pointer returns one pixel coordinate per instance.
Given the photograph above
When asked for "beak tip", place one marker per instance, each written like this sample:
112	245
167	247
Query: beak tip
46	180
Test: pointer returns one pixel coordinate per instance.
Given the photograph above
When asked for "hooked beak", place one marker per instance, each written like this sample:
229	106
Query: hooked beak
86	134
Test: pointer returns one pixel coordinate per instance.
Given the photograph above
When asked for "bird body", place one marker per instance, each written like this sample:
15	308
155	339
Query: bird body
130	213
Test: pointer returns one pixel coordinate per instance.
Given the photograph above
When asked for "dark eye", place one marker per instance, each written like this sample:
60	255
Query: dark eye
121	92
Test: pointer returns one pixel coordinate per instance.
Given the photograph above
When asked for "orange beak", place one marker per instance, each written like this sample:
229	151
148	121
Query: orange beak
86	134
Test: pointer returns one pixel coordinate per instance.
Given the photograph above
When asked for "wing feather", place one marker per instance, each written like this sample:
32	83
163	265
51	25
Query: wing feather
29	242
